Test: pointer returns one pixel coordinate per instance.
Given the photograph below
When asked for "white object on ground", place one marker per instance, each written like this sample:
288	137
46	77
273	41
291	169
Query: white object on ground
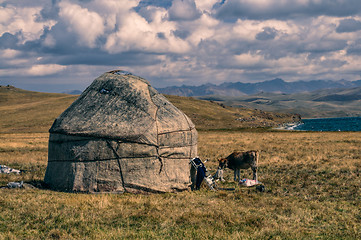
248	182
15	184
7	170
210	182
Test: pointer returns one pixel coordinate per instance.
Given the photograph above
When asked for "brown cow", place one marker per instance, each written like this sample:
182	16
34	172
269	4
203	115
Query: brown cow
241	160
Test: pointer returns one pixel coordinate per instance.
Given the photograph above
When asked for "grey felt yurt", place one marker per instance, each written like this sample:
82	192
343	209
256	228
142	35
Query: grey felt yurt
121	135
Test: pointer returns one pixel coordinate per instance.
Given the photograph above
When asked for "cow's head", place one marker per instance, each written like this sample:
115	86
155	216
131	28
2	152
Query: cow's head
222	163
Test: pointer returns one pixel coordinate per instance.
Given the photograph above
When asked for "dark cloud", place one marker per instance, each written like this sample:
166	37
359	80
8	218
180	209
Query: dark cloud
24	3
161	35
275	9
8	40
348	25
183	34
267	34
354	48
100	58
322	46
332	63
63	42
156	3
49	11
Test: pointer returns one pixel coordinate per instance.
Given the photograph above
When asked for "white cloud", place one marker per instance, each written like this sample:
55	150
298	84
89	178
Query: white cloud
9	53
112	11
183	10
205	5
248	60
45	69
24	20
136	33
202	29
88	25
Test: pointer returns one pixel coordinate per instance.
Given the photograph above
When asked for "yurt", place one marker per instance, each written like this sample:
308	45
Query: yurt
121	135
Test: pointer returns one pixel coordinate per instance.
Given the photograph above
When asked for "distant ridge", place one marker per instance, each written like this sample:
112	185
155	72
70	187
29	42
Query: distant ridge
73	92
337	102
276	85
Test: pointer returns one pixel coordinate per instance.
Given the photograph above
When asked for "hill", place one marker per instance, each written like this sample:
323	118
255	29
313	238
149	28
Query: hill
27	111
321	103
274	86
213	115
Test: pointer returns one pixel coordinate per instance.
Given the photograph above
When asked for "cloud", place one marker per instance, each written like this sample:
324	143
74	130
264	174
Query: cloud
8	40
267	34
45	69
179	42
354	48
205	5
183	10
275	9
135	33
22	19
87	25
348	25
38	70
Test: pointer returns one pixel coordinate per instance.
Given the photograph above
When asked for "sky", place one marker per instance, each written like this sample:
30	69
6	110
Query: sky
59	45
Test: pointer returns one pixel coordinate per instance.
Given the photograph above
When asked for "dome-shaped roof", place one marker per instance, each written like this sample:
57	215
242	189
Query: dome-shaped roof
122	106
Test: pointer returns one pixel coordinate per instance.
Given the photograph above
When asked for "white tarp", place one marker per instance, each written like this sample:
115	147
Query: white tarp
7	170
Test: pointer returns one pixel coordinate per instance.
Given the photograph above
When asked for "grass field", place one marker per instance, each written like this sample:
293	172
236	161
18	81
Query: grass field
312	184
312	192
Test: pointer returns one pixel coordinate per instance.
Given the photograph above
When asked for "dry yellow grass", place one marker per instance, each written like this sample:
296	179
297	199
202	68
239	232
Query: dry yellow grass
312	184
312	192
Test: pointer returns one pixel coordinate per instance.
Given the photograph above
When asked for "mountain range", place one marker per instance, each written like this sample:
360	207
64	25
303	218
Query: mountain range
73	92
272	86
336	102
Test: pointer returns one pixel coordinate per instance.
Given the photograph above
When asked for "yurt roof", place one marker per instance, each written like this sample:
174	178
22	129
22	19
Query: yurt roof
120	105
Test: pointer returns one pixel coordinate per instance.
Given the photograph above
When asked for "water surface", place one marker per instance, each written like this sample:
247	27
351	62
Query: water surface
328	124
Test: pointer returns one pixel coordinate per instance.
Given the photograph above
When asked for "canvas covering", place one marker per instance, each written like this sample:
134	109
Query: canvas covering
121	135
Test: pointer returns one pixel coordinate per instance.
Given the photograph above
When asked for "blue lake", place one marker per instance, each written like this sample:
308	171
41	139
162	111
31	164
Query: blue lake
329	124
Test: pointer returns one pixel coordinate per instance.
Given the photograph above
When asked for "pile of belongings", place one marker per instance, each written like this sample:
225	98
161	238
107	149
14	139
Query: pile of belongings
202	174
7	170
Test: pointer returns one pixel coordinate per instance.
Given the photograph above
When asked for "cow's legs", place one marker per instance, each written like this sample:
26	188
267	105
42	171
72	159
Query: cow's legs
254	169
236	174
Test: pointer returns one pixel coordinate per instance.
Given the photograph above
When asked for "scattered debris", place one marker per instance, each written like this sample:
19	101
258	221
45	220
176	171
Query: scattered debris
15	184
249	182
21	184
7	170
